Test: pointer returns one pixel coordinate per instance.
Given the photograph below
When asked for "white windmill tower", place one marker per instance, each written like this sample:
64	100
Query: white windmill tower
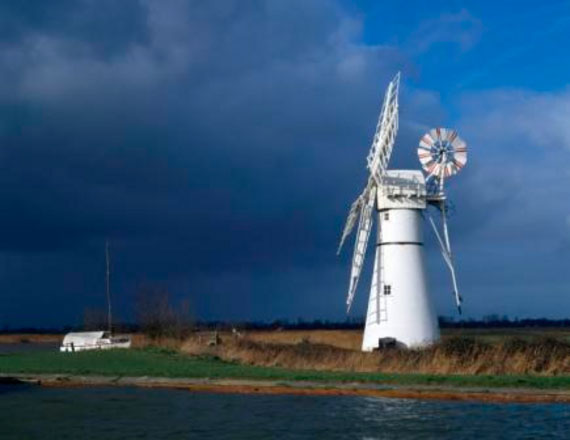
399	307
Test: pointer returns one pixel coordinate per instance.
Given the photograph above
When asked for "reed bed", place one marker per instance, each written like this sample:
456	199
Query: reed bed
348	339
535	351
454	355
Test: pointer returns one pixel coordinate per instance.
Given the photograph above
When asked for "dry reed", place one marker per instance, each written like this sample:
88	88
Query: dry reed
455	355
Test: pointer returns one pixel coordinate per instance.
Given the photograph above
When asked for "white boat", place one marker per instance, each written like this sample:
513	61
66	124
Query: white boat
101	340
98	340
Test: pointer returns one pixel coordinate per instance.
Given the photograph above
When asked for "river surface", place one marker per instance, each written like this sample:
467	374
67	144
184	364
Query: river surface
30	412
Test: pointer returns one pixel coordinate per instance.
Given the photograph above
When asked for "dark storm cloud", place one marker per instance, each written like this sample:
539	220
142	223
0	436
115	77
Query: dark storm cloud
219	146
235	121
203	137
106	27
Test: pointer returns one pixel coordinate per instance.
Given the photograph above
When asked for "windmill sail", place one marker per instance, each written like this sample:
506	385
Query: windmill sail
377	162
353	215
385	136
362	237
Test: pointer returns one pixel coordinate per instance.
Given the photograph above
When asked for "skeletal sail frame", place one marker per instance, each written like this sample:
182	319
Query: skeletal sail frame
377	163
442	154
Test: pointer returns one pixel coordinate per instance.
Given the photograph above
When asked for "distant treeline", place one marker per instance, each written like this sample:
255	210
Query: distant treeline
491	321
494	321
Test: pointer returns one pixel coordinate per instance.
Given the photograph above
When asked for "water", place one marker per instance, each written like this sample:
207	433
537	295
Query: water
28	412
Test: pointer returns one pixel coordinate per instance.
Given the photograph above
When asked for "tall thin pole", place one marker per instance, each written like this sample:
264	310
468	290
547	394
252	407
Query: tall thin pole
108	285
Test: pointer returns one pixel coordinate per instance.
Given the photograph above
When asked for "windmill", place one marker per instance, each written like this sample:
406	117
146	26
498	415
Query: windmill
399	306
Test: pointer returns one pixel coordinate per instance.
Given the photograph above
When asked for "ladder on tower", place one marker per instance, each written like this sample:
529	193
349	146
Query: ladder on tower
382	308
381	300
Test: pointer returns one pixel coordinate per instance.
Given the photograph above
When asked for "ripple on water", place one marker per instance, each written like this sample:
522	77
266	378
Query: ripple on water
129	413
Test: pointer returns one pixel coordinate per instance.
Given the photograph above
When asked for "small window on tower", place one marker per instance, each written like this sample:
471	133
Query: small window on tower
387	289
386	216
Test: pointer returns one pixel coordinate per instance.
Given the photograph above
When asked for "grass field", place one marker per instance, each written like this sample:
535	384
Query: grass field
166	363
466	352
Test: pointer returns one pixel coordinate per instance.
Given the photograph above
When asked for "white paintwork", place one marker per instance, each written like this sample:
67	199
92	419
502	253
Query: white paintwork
362	236
442	153
379	154
377	161
401	196
406	314
101	340
385	135
403	189
445	246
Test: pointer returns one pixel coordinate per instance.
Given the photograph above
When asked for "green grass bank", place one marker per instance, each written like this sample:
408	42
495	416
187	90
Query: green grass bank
163	363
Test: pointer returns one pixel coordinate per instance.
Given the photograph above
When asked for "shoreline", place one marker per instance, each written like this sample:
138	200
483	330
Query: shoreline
242	386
